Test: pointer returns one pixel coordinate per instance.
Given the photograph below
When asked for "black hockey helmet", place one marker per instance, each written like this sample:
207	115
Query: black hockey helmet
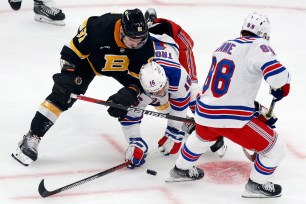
134	24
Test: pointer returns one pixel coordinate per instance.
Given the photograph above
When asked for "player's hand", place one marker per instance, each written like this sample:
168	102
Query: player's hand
125	97
188	127
136	152
280	93
262	115
63	87
171	141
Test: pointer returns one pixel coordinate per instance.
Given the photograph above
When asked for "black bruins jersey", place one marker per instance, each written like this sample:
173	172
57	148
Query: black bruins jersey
98	42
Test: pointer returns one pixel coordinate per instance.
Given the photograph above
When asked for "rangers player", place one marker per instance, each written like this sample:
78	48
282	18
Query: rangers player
226	107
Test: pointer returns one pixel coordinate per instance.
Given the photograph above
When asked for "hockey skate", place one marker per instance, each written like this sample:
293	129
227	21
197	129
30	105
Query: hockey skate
46	14
26	151
266	190
179	175
15	4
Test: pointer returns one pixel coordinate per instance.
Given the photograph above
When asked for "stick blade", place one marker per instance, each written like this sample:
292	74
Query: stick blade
251	157
42	189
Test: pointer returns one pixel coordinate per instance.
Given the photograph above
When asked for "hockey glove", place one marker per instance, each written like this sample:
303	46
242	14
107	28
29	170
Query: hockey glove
136	152
280	93
188	128
261	114
172	141
63	87
125	97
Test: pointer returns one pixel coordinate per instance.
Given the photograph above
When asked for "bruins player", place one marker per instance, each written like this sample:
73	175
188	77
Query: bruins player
114	45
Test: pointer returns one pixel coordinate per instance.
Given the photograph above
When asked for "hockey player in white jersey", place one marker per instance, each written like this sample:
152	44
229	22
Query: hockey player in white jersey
226	107
167	87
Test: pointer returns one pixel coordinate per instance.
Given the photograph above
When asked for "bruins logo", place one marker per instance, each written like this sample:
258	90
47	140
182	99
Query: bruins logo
78	80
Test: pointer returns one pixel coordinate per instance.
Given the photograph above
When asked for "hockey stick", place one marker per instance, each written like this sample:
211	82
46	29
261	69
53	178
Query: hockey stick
139	110
271	108
252	157
136	110
45	193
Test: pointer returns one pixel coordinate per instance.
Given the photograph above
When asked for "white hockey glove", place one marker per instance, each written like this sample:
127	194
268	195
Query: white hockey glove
261	114
136	152
172	141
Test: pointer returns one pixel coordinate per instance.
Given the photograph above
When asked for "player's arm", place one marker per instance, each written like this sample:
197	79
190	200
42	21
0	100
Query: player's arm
179	101
274	73
79	47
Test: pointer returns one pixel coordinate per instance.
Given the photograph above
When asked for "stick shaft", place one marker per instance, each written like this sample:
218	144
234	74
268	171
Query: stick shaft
45	193
133	109
271	108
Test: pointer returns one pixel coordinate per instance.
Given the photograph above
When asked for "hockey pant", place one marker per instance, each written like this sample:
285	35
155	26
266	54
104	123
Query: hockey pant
255	135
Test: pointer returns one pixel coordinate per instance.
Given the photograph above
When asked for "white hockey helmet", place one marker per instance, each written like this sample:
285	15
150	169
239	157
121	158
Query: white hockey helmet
153	79
257	24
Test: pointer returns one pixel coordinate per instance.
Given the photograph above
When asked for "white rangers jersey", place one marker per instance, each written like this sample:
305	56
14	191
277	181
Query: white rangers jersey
233	81
176	101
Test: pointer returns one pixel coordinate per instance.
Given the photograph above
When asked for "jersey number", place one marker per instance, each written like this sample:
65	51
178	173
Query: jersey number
82	34
220	75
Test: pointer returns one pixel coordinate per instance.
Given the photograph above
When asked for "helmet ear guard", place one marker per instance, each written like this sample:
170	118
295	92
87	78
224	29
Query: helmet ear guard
257	24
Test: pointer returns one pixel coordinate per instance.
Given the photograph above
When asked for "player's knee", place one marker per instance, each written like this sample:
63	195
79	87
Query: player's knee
279	150
60	103
197	144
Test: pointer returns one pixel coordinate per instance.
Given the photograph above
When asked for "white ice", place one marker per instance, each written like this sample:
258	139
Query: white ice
85	140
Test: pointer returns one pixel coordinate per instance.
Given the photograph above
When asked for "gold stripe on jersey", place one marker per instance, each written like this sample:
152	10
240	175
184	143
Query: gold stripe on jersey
49	110
162	107
76	51
93	68
117	34
134	74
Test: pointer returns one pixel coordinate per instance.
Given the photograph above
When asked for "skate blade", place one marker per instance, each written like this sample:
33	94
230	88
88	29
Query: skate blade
44	19
21	158
247	194
221	152
173	180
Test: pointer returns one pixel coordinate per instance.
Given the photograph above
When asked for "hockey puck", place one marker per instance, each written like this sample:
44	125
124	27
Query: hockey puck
151	172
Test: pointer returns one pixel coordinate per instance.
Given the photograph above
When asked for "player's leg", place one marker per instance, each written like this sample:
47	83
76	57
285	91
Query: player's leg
191	151
270	149
46	12
58	101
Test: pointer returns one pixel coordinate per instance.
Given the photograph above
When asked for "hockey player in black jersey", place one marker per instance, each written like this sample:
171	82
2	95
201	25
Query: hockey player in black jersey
114	45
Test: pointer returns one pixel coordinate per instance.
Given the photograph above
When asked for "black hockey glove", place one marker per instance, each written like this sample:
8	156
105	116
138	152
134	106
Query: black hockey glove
63	86
125	97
